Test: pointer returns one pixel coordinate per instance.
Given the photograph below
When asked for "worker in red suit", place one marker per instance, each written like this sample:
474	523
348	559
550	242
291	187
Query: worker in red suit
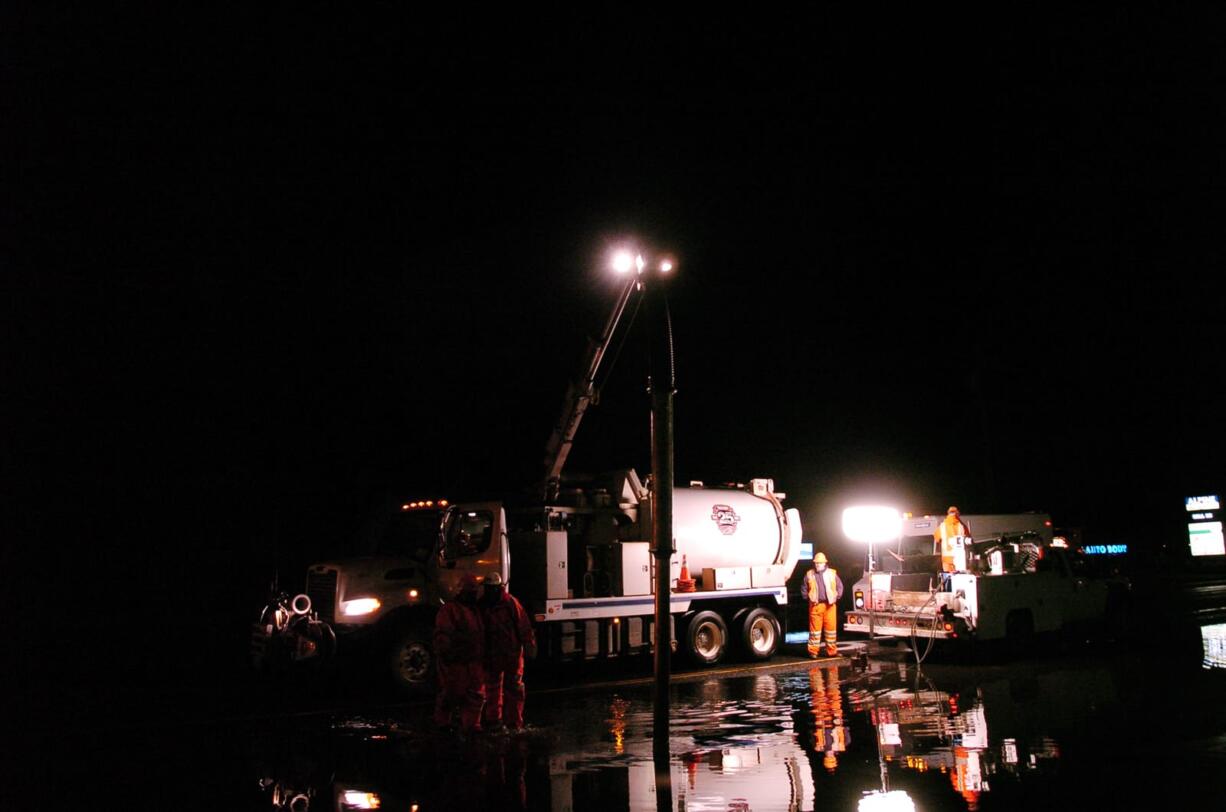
459	645
508	637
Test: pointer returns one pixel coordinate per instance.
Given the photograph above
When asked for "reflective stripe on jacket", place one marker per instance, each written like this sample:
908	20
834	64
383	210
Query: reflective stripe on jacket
947	529
945	533
830	585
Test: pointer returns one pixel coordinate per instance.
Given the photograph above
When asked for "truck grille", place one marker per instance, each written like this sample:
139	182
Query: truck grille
321	589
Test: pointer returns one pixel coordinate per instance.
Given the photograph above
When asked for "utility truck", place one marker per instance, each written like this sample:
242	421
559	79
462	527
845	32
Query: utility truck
576	552
1013	581
582	568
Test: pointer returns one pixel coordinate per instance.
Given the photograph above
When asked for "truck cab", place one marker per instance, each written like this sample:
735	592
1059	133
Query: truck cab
384	602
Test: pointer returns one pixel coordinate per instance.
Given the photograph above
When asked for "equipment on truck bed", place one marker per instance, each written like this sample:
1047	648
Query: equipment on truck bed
1014	584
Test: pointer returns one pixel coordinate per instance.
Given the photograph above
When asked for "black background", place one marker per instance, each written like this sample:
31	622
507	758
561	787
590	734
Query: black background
264	272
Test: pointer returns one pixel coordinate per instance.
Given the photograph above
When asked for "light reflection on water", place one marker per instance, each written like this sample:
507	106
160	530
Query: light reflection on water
816	737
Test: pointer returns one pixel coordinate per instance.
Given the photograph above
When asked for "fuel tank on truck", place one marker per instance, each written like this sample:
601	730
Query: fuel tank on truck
723	527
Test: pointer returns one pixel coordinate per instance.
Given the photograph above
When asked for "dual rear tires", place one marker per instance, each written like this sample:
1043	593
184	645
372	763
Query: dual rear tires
708	641
755	636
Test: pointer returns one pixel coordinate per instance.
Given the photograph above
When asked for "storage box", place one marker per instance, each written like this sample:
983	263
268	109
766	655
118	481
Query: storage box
725	578
774	575
538	565
635	568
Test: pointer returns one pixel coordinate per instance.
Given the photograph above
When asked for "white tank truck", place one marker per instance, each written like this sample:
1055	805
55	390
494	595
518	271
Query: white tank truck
577	555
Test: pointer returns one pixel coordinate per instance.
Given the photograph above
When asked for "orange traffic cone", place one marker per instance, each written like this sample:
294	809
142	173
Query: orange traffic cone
684	582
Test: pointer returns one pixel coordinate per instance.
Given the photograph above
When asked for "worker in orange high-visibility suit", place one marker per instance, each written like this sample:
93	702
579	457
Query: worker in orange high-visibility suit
459	646
943	539
823	590
826	704
508	636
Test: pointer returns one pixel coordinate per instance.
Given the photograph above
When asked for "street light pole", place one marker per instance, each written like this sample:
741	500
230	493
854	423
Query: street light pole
662	385
662	475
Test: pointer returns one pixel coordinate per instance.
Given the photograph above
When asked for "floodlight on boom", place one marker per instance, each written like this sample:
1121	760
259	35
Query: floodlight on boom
872	524
623	261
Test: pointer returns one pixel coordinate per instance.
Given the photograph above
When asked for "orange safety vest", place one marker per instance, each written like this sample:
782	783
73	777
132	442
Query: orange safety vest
834	587
945	534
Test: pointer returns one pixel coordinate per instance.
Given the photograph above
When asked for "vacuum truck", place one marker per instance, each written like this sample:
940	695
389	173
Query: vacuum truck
581	566
576	552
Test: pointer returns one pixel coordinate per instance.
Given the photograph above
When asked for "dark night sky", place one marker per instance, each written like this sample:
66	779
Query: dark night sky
264	270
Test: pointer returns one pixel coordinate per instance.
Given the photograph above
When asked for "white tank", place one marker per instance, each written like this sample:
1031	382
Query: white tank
732	528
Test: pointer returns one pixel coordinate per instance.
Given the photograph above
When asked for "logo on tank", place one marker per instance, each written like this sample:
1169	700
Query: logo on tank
725	518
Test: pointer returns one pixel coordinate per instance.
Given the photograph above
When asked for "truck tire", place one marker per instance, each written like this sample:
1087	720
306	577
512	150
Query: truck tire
759	634
411	658
706	638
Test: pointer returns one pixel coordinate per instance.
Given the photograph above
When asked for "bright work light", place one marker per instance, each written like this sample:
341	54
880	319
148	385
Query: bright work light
872	524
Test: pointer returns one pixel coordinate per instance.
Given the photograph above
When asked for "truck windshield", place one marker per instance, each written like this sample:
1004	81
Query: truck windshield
409	534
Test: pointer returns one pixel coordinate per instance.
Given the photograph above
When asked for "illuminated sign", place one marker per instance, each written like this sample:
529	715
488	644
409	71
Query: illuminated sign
1201	517
1201	503
1205	538
1213	637
1105	549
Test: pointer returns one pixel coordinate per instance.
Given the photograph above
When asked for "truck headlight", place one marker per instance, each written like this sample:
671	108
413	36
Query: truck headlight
362	606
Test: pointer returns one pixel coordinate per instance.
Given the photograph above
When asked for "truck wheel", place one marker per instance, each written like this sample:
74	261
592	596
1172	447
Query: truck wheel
760	634
412	661
707	638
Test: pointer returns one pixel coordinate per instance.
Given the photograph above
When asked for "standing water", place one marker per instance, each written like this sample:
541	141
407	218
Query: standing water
1096	732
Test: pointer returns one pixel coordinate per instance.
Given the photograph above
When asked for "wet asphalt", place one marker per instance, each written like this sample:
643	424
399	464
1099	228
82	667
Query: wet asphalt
1108	725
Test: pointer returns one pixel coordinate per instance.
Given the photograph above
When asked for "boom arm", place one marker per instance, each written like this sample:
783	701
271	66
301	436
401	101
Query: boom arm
580	393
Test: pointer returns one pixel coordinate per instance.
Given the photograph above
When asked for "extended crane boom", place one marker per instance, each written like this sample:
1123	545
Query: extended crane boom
580	393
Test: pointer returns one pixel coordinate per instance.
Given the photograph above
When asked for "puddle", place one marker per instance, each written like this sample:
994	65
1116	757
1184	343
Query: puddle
885	737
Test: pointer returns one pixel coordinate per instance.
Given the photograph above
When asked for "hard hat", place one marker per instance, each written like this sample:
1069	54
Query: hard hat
493	579
820	558
952	509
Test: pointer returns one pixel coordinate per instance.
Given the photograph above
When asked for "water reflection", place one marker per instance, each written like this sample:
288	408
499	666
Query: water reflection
921	728
830	735
816	737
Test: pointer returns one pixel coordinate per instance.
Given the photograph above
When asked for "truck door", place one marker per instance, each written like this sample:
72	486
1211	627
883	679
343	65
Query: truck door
1075	594
473	542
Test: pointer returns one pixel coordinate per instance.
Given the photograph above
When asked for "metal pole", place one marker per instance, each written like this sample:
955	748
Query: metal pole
662	389
872	565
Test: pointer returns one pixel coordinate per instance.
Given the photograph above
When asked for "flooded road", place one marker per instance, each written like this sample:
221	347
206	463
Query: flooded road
1108	729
